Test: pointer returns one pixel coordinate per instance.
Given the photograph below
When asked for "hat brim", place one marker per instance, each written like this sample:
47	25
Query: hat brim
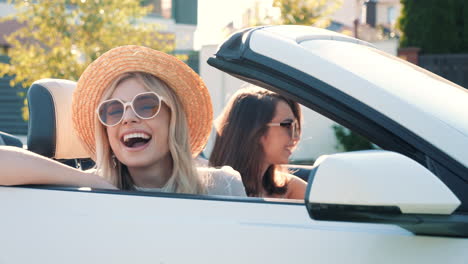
187	85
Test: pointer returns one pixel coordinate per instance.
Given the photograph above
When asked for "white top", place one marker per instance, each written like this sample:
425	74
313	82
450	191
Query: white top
219	181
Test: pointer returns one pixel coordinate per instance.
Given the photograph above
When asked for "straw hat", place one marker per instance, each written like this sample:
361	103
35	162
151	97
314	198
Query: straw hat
186	84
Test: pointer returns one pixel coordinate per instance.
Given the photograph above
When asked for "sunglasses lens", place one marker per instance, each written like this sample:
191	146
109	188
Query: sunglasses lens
111	112
295	130
147	105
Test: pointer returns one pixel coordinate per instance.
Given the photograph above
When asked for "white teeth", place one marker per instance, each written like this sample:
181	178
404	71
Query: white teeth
136	135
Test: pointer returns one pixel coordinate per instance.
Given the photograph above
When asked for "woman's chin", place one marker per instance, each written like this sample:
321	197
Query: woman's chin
132	163
282	161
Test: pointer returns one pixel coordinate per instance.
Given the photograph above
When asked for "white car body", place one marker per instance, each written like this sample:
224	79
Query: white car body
49	226
427	220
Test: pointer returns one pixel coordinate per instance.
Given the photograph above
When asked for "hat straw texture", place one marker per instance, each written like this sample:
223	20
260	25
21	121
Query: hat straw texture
99	75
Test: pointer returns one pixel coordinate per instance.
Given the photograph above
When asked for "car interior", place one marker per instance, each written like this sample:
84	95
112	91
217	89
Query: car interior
50	128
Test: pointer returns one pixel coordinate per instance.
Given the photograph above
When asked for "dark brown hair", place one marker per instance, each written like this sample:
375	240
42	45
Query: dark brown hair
239	129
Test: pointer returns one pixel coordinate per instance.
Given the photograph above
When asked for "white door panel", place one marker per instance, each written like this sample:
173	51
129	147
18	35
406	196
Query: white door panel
50	226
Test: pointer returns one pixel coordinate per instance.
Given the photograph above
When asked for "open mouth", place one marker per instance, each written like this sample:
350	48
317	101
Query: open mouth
135	140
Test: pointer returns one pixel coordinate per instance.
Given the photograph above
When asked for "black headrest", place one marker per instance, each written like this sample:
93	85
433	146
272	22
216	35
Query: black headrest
50	130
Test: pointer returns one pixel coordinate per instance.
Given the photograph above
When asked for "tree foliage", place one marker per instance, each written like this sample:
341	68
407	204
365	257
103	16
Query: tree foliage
60	38
307	12
350	141
434	26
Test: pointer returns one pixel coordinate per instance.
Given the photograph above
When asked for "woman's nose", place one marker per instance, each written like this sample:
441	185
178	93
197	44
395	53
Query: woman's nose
129	115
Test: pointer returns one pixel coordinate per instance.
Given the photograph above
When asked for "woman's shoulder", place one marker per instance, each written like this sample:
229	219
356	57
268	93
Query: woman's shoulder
222	181
296	186
294	178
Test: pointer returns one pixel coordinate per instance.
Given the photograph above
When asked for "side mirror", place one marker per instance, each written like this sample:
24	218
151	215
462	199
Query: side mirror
382	187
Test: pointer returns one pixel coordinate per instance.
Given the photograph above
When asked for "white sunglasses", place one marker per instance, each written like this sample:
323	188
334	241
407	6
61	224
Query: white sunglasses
145	106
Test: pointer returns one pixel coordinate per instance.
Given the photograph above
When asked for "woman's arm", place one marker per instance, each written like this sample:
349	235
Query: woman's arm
19	166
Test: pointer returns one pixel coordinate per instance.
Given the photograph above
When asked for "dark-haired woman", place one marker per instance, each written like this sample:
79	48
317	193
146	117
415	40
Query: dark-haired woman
257	132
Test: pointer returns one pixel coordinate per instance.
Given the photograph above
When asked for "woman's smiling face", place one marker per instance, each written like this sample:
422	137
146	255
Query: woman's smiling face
278	142
139	143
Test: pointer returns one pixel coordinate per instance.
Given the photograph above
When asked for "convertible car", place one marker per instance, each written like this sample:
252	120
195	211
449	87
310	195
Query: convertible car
404	203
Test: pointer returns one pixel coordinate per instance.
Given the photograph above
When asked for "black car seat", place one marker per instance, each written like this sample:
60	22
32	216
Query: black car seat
50	129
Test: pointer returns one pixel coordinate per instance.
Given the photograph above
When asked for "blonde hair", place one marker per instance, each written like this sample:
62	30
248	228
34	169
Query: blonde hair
184	177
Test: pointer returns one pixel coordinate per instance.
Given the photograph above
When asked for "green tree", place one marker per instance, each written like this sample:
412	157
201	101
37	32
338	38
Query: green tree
350	141
60	38
434	26
307	12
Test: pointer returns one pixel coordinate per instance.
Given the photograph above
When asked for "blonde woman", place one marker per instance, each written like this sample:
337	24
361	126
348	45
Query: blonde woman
142	116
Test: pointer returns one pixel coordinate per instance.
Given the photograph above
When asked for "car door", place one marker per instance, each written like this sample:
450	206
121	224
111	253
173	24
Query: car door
51	224
67	225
